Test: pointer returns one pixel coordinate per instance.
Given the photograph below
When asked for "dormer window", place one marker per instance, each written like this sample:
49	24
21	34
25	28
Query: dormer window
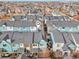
63	27
4	45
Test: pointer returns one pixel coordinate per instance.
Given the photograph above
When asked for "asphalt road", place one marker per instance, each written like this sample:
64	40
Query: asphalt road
25	57
4	58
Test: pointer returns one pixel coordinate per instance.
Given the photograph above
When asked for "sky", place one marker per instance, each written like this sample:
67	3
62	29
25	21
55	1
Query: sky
44	0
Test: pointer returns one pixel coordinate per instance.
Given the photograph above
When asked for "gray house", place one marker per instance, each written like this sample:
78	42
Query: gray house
62	41
29	39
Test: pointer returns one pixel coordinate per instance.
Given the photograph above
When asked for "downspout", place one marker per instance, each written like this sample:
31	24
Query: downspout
74	39
53	40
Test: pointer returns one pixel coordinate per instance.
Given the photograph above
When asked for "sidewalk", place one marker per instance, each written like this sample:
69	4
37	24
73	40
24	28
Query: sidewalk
43	58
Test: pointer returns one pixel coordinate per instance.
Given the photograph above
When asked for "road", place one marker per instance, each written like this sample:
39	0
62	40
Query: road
4	58
67	57
23	56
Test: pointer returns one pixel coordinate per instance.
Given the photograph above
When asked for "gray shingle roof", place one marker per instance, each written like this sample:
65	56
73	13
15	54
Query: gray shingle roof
76	36
17	23
58	37
67	37
10	23
23	37
20	23
63	23
38	37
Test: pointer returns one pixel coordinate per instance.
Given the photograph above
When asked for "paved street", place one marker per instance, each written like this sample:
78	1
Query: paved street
25	57
4	58
44	58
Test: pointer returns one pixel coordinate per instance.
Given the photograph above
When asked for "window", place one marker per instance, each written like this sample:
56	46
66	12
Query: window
4	50
58	45
34	44
4	45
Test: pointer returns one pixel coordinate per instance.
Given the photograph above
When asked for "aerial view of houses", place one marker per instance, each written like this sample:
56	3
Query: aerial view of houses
45	29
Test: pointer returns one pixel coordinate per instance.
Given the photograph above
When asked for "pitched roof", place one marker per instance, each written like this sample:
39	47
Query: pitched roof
23	37
58	38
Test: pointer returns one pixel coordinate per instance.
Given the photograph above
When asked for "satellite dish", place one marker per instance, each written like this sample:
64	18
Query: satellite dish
38	23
